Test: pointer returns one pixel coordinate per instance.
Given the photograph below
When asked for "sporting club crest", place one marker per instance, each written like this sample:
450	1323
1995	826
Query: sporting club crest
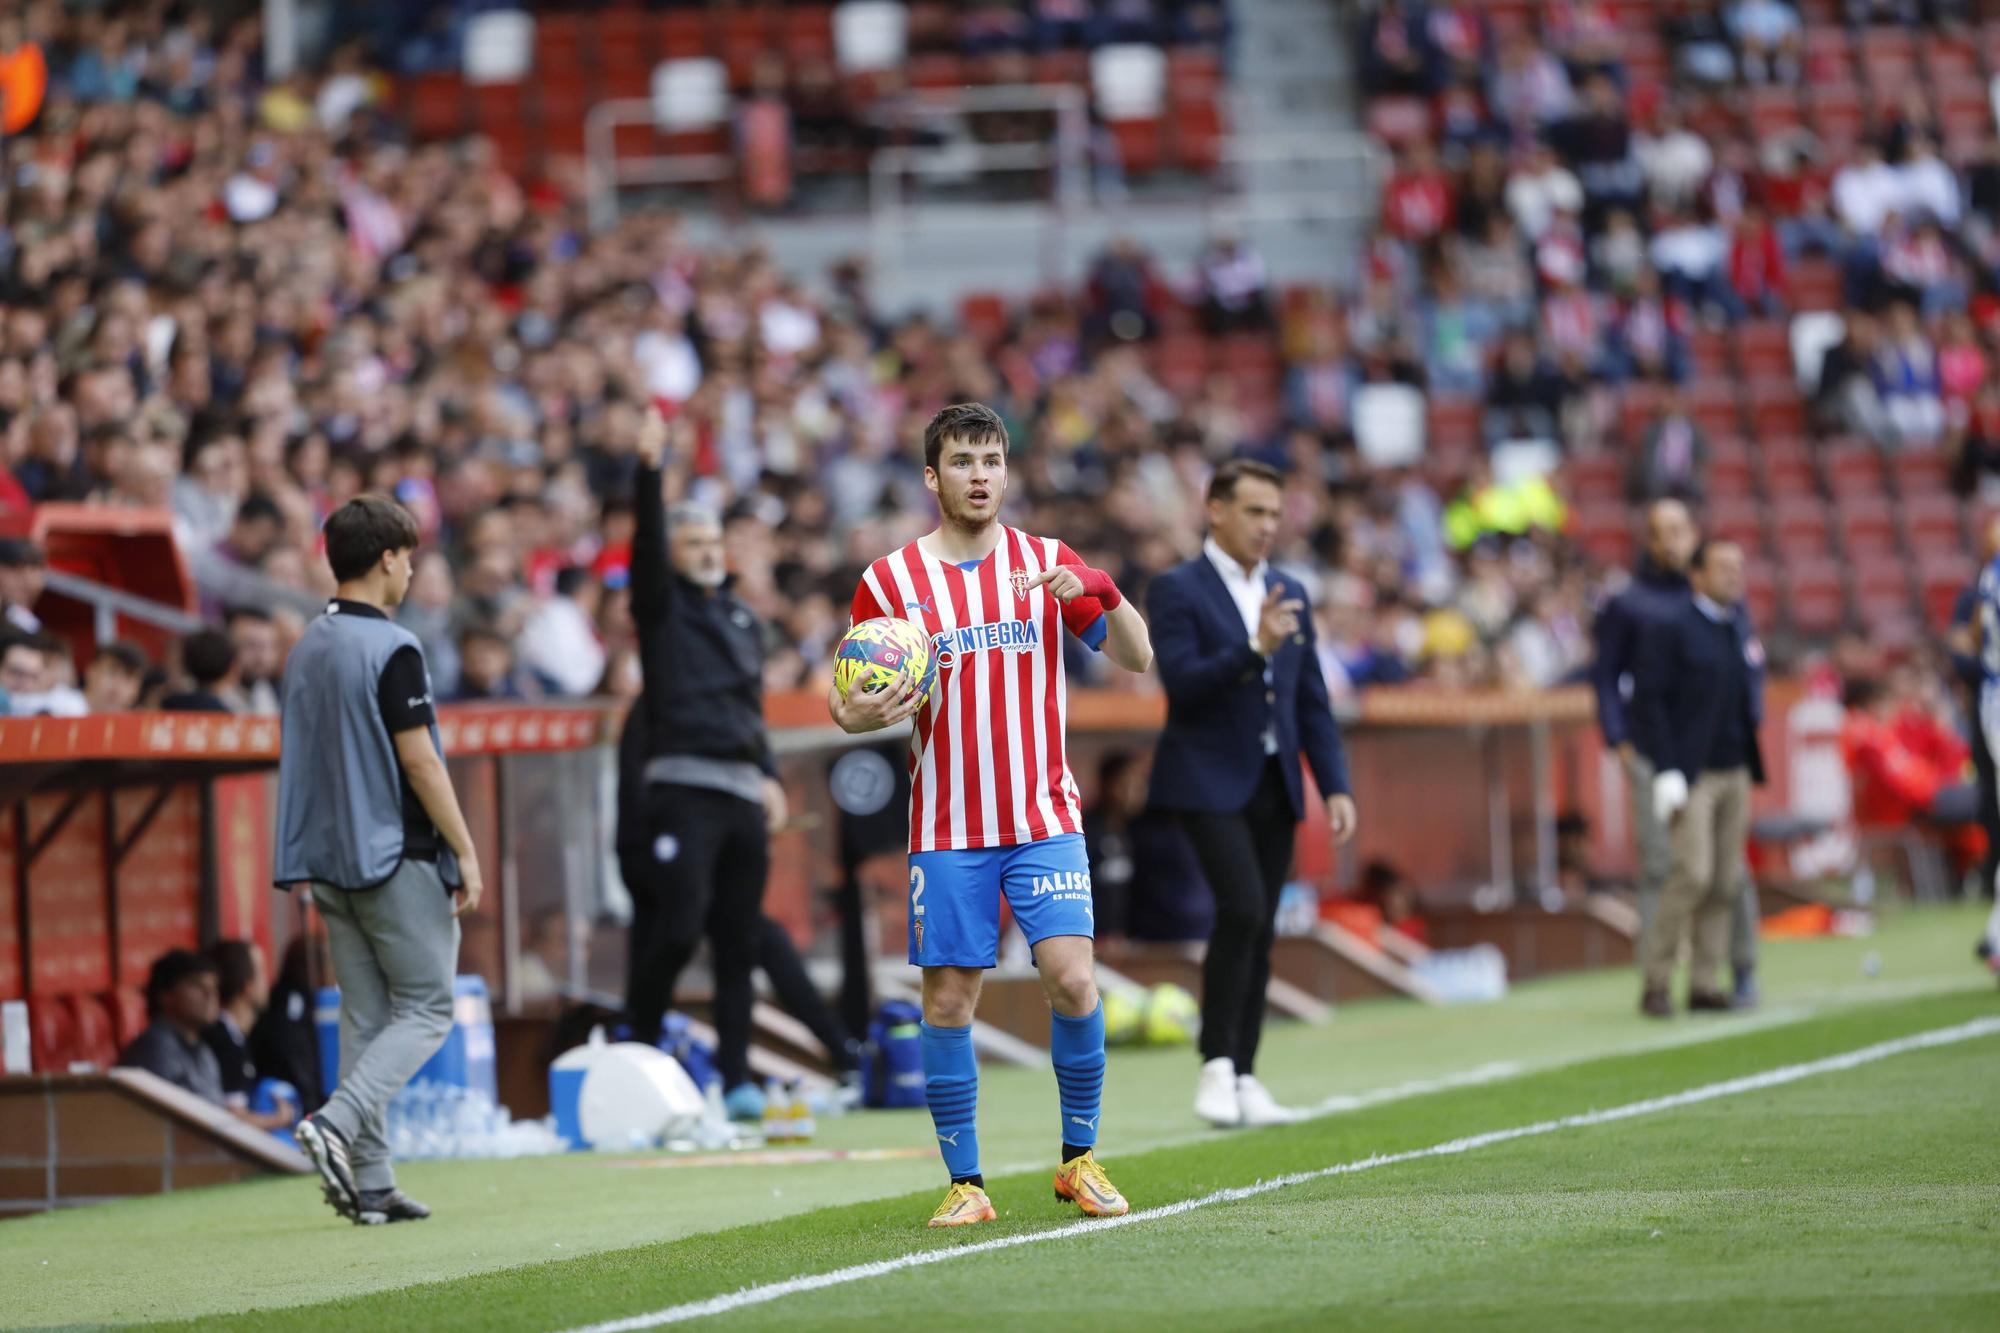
1019	578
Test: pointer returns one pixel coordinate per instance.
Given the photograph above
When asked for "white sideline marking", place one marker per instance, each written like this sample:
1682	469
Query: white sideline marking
1770	1078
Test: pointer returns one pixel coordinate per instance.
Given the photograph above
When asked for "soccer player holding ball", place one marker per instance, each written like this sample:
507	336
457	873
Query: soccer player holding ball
993	807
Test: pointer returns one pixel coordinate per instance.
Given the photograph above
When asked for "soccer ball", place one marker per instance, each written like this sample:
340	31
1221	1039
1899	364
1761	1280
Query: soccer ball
1172	1016
875	653
1124	1013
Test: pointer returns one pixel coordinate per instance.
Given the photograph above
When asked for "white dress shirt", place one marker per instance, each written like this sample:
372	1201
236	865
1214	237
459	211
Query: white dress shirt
1247	589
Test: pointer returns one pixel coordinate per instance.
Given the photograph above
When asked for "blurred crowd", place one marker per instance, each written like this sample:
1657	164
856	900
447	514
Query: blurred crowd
247	301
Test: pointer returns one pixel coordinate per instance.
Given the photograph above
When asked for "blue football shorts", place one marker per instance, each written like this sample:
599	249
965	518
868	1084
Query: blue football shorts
955	899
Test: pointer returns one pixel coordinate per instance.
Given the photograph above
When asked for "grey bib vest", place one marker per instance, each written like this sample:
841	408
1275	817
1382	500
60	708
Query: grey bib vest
340	786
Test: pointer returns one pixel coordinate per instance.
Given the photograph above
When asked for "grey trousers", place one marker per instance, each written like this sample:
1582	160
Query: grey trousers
1699	901
395	952
1656	855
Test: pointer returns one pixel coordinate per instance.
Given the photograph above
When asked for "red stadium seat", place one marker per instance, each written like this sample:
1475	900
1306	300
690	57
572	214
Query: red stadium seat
1710	353
1063	67
1827	57
1764	349
1181	364
437	105
1799	529
1933	522
562	43
1731	471
1599	476
1452	424
1788	474
1714	406
96	1040
1605	534
808	33
1773	112
1776	408
1867	525
1838	114
1853	468
128	1015
1880	581
1950	59
941	70
1198	134
1739	521
51	1035
1815	600
1941	577
983	315
682	35
1816	284
1760	594
1140	145
1920	471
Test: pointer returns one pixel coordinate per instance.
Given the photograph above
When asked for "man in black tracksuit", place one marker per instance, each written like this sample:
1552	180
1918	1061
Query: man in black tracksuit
711	791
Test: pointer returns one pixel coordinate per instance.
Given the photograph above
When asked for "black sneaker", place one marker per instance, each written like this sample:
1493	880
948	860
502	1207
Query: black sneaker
393	1205
328	1153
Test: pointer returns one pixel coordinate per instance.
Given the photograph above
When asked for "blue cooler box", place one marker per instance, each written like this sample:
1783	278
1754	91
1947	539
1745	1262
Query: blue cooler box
465	1060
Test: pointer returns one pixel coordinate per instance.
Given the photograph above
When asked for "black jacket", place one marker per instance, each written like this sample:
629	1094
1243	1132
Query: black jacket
1652	596
701	653
1680	669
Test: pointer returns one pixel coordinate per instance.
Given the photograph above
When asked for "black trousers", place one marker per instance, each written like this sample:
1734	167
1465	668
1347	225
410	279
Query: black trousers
1245	856
702	876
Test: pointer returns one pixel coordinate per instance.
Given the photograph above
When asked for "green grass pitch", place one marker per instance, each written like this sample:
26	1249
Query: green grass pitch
1860	1198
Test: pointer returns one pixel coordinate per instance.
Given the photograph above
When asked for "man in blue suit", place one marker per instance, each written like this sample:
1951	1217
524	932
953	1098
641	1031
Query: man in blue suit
1234	642
1701	697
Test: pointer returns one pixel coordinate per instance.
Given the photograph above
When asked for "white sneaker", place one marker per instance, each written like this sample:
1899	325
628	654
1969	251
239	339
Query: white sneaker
1215	1095
1258	1106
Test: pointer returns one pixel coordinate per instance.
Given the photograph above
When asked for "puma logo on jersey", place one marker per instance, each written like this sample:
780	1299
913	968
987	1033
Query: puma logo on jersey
951	1139
1090	1124
923	606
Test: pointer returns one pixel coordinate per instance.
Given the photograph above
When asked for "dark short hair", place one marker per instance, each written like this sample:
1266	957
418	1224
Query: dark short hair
19	553
126	656
170	969
236	613
483	631
12	637
258	507
234	966
1708	547
364	530
208	654
1222	486
974	423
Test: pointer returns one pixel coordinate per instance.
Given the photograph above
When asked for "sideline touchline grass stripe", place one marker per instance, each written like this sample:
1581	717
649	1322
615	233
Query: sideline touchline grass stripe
1769	1078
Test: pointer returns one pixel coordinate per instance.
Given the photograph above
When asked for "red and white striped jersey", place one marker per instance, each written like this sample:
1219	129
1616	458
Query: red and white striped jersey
988	766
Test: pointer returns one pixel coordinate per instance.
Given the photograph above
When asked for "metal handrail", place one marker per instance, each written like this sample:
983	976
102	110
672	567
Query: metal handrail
108	603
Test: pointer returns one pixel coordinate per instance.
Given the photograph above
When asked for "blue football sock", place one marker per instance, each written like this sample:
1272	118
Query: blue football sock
951	1083
1076	1048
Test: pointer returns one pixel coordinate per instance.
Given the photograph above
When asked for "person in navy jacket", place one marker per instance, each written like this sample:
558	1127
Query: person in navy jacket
1234	642
1701	688
1658	591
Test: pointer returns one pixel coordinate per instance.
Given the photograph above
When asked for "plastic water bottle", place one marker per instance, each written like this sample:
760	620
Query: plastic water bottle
802	1126
777	1113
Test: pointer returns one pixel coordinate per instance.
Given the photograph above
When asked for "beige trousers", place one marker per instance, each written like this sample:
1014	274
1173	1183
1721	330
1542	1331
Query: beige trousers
1707	841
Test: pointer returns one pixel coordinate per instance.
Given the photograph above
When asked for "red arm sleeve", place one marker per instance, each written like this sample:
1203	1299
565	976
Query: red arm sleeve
1084	612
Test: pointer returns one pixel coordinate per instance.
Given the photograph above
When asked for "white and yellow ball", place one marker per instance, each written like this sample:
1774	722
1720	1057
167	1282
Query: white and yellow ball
1172	1016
